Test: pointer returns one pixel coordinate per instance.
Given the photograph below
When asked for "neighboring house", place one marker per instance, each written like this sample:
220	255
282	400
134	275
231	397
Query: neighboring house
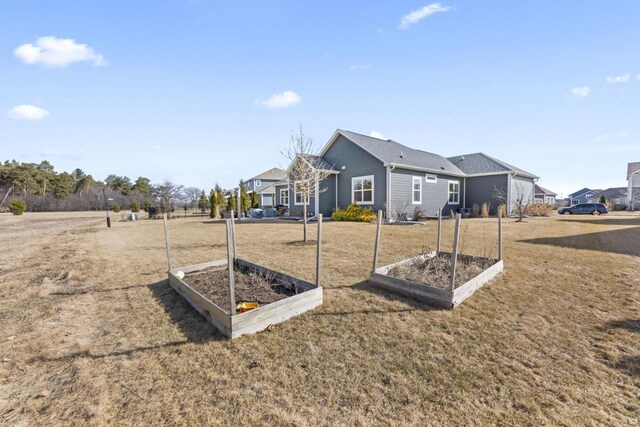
582	196
386	175
633	185
265	185
616	196
542	195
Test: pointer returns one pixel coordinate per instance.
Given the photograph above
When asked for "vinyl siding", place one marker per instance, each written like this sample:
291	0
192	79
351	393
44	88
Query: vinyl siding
328	196
357	162
484	189
520	187
435	196
278	188
263	184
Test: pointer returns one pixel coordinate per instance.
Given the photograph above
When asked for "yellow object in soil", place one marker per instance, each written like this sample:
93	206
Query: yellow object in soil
246	306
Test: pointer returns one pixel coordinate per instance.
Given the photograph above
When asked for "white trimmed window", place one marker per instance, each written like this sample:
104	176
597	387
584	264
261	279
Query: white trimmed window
454	192
431	179
258	183
362	190
416	191
299	185
284	197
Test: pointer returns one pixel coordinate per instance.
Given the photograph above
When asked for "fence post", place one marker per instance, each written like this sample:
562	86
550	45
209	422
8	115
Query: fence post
318	250
454	255
377	246
239	204
166	241
500	235
230	266
235	241
439	231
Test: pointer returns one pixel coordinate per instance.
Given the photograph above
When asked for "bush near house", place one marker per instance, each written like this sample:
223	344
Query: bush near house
540	209
354	213
135	206
17	206
116	207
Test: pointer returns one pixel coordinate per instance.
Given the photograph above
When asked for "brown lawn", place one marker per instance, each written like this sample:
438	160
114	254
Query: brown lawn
92	333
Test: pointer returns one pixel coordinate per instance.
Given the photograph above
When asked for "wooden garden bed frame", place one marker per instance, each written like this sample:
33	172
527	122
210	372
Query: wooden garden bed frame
437	296
234	325
448	298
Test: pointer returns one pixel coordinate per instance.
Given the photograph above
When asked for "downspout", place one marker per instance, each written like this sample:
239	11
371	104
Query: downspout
336	191
464	193
388	210
317	195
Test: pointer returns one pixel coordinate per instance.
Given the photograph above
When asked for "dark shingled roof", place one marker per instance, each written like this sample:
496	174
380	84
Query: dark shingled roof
583	191
542	190
273	173
318	162
613	193
633	168
480	163
392	152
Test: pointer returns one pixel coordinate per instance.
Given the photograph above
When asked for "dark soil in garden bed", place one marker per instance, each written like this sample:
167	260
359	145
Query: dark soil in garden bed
436	271
249	287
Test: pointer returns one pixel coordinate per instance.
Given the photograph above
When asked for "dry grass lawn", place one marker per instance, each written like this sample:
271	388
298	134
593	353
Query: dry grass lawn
92	333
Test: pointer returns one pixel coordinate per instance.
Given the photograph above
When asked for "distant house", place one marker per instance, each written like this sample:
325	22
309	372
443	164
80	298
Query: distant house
542	195
386	175
633	185
616	196
265	185
582	196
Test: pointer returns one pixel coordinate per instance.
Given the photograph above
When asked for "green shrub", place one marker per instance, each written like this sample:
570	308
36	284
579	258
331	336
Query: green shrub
17	206
354	213
116	207
146	206
135	206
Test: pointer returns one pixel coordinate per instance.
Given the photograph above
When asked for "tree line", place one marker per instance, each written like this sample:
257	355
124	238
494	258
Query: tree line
43	189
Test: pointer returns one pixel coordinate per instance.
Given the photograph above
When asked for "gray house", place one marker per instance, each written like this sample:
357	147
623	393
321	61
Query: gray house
542	195
633	185
386	175
265	185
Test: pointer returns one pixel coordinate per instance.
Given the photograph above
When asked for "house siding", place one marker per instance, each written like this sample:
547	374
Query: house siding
277	189
435	196
328	196
358	162
520	187
485	189
264	183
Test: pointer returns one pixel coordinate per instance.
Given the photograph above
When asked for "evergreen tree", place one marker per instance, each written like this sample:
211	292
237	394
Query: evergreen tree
212	205
245	200
254	200
218	199
231	201
203	202
602	200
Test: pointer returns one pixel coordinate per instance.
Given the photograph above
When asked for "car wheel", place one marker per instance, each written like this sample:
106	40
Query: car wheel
566	213
596	212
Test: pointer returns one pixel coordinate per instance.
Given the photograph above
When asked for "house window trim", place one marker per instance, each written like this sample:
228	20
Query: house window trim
295	196
449	192
287	191
258	183
415	179
430	178
373	186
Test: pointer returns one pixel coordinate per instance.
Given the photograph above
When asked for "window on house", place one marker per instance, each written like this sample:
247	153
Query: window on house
454	192
300	189
284	197
258	183
362	190
431	179
574	202
417	190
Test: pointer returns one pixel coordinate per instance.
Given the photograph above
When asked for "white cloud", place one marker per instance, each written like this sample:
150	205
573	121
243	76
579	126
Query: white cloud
376	134
54	52
27	112
281	100
607	136
419	14
581	91
360	67
603	137
618	79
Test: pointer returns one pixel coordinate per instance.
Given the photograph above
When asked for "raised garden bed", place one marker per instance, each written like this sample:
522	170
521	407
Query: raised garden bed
281	297
427	277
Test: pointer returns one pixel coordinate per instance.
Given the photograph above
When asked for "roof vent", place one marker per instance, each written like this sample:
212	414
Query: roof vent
401	155
462	158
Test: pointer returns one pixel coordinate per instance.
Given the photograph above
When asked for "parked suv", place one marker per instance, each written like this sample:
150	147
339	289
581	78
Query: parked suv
585	208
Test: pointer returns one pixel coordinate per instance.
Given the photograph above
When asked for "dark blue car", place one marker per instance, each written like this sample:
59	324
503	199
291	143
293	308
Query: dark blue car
585	208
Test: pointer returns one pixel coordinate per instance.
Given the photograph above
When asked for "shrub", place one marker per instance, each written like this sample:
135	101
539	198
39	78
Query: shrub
418	214
146	206
540	209
354	213
135	206
116	207
17	206
484	212
475	211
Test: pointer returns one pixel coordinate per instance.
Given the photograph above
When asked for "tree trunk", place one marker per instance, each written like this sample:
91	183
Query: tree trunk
304	221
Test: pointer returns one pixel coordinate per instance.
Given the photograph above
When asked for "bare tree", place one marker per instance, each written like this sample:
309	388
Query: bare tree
168	194
192	194
306	171
521	202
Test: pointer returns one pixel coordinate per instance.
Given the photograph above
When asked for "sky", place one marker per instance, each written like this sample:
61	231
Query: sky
201	92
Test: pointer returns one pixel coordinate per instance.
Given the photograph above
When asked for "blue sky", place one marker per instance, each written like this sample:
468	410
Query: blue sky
183	89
